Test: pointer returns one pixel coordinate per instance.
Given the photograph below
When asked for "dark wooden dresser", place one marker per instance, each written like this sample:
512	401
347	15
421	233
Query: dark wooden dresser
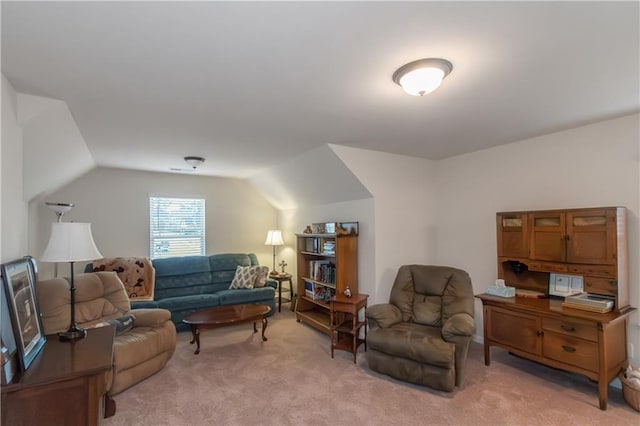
65	385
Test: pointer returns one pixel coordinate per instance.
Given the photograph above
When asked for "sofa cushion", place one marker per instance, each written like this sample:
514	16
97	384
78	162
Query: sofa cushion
144	304
141	344
192	302
223	268
234	297
417	342
151	317
181	276
244	278
229	261
99	296
122	324
261	276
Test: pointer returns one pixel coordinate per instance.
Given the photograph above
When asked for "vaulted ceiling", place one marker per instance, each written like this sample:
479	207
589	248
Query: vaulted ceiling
248	85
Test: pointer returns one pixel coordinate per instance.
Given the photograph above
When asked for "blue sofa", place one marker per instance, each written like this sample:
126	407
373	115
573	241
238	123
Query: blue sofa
191	283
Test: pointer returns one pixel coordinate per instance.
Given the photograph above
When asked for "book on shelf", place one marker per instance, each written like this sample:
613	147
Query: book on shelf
329	247
322	270
317	291
311	245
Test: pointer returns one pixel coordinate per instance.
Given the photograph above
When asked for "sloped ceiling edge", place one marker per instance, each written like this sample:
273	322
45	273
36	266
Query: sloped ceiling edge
316	177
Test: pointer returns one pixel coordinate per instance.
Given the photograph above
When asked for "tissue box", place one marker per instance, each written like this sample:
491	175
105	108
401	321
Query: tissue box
505	291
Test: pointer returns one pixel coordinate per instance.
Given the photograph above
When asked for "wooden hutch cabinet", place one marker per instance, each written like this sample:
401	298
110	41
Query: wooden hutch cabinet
575	236
327	265
591	243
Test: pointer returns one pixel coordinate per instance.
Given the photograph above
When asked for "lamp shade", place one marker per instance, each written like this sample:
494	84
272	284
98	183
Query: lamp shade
274	238
70	242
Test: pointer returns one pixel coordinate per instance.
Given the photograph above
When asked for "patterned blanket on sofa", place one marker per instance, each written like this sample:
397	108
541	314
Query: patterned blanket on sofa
136	273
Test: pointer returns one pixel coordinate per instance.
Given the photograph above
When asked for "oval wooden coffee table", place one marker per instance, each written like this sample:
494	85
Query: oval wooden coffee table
222	316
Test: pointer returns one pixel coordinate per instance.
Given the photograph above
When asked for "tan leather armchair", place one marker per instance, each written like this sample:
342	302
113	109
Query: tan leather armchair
422	335
100	296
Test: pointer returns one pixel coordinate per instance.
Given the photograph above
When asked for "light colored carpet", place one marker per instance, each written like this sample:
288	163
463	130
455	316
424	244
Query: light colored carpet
291	380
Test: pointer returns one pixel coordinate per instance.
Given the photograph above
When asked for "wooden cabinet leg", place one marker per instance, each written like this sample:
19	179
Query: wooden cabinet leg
487	354
109	406
264	327
603	388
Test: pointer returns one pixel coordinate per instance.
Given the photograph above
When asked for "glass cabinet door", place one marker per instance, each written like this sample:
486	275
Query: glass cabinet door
591	237
513	235
548	237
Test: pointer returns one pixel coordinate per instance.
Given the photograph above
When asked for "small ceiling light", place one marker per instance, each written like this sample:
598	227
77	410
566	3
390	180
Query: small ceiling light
423	76
194	161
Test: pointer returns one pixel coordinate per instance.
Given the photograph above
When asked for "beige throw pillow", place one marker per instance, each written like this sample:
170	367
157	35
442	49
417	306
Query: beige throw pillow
244	278
261	276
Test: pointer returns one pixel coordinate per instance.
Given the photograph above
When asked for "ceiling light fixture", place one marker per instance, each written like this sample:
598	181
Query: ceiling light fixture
194	161
423	76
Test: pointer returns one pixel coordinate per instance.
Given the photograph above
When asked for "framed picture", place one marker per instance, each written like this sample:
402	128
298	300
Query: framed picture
7	342
565	285
348	228
19	285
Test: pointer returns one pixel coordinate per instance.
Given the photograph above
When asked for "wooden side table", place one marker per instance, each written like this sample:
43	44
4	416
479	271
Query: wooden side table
65	385
345	325
282	278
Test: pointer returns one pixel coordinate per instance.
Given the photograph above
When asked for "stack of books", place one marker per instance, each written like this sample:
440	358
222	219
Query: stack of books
329	247
589	302
322	270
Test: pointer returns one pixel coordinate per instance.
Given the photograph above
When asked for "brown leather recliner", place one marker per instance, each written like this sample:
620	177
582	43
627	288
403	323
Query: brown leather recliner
422	335
100	296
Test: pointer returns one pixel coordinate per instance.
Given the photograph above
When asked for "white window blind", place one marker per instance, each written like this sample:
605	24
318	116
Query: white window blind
176	226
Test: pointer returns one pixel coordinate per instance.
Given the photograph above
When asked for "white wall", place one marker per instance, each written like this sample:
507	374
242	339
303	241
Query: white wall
316	186
14	210
590	166
116	202
404	211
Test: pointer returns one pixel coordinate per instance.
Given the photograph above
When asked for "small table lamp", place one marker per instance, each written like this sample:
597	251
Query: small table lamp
274	238
71	242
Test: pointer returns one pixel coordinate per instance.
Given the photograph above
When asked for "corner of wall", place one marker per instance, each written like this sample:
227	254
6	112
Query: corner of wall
13	216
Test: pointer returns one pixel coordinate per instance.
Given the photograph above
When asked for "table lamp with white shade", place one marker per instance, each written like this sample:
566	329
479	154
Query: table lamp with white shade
71	242
274	238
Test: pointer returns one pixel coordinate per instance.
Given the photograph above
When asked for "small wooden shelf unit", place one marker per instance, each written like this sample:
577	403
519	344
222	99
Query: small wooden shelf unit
340	267
346	323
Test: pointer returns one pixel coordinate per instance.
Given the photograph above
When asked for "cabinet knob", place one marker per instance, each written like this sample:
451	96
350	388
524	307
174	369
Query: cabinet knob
568	348
569	328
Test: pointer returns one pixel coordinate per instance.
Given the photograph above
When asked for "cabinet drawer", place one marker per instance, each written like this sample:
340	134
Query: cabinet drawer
594	270
605	286
513	329
569	350
571	328
547	266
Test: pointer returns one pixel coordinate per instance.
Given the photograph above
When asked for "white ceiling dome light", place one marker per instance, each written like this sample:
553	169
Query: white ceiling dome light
194	161
423	76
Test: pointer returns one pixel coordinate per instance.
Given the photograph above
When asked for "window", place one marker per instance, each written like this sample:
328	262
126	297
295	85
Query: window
176	226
